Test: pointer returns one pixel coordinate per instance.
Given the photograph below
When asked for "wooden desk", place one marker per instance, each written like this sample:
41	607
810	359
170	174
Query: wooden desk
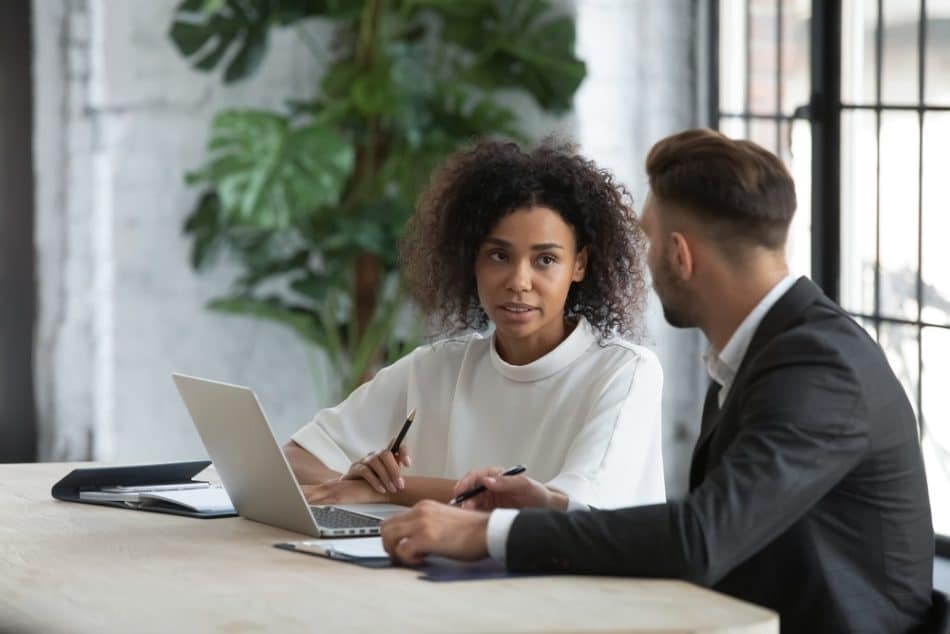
81	568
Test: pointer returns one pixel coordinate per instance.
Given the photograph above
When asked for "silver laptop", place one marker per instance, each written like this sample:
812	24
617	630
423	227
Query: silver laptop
254	470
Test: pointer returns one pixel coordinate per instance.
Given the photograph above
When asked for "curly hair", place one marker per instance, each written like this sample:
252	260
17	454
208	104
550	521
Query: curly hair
478	186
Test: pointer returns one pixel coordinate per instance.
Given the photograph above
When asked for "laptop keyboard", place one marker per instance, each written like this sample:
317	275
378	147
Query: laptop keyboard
331	517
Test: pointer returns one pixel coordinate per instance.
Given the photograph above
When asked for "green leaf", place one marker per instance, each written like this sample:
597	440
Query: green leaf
203	224
287	12
263	264
205	32
523	45
249	56
270	174
273	309
316	287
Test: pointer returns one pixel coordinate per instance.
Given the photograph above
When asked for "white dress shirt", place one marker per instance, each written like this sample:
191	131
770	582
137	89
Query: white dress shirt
584	418
722	368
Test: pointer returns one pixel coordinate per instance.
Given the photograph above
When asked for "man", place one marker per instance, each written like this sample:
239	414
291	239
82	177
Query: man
807	488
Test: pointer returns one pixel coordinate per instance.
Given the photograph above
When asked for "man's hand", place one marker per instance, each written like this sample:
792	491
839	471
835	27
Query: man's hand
381	469
342	492
516	492
437	529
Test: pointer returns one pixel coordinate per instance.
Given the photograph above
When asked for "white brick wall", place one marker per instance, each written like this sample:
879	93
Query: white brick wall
119	118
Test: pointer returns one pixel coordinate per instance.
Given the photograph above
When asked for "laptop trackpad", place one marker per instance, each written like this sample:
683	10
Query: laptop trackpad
379	511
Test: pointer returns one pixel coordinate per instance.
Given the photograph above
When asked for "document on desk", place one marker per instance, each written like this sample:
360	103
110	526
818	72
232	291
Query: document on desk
364	551
202	499
213	499
369	552
350	548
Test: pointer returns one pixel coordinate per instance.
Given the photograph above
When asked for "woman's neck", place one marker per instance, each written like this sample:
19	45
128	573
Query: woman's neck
525	350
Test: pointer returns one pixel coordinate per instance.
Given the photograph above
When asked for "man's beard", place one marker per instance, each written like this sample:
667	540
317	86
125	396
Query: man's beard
673	297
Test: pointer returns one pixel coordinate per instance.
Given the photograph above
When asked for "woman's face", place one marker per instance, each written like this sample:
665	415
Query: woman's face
523	271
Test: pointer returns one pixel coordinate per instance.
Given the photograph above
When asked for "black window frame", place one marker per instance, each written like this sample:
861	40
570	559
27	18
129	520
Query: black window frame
824	113
17	268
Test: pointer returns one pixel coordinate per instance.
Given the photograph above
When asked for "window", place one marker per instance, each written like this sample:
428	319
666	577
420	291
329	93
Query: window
869	82
17	275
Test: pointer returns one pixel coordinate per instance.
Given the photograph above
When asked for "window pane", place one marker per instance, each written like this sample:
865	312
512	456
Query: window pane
935	255
899	214
764	133
858	33
937	81
900	72
797	157
732	56
763	41
858	210
936	435
796	74
900	346
734	127
869	327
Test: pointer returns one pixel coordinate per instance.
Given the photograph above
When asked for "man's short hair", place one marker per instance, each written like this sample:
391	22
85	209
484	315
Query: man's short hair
741	190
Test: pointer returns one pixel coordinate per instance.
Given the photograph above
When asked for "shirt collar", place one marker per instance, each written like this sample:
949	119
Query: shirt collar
562	356
722	366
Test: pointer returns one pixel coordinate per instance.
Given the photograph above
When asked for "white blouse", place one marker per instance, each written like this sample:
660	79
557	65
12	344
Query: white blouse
584	418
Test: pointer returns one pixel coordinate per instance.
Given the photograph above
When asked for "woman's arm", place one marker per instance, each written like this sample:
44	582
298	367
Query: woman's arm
336	491
310	470
307	467
616	459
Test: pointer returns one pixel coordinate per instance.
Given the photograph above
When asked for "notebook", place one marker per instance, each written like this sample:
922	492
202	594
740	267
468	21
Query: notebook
369	552
201	497
364	551
159	488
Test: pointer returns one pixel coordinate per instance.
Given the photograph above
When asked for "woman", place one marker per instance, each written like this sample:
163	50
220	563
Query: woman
547	249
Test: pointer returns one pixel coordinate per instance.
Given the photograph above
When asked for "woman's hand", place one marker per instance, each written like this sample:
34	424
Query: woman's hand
433	528
516	492
342	492
382	470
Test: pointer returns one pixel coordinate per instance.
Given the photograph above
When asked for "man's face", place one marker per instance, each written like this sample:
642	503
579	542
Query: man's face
669	286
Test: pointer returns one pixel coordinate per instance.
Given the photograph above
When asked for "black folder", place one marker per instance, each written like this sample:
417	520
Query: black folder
90	479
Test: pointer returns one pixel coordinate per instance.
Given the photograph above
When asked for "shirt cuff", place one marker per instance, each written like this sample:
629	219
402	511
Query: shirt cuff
496	537
574	505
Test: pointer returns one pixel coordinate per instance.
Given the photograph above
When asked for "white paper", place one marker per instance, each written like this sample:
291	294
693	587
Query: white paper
208	500
357	547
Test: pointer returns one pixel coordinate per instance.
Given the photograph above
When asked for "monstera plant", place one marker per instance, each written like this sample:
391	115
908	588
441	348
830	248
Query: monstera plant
311	200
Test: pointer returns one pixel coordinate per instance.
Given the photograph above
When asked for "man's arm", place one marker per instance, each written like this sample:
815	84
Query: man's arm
802	430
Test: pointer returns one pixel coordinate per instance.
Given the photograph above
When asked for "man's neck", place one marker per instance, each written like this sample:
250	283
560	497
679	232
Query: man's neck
731	301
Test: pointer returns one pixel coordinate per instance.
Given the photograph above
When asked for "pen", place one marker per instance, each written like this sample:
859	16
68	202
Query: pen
475	490
402	432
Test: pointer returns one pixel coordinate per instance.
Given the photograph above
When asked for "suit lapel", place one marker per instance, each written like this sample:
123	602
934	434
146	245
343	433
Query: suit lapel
802	293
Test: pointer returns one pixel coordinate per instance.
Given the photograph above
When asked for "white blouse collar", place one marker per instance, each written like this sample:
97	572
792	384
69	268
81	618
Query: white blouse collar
562	356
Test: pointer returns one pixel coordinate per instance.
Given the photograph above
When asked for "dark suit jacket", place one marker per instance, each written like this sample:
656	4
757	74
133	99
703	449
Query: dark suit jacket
807	489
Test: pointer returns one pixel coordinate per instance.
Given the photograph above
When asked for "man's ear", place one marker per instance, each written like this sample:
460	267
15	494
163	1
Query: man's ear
681	256
580	265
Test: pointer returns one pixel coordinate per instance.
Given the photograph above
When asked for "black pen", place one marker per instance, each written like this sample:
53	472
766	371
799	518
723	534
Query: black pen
475	490
402	432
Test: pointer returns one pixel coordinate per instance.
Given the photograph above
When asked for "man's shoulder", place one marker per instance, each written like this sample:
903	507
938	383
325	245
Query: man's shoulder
823	331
